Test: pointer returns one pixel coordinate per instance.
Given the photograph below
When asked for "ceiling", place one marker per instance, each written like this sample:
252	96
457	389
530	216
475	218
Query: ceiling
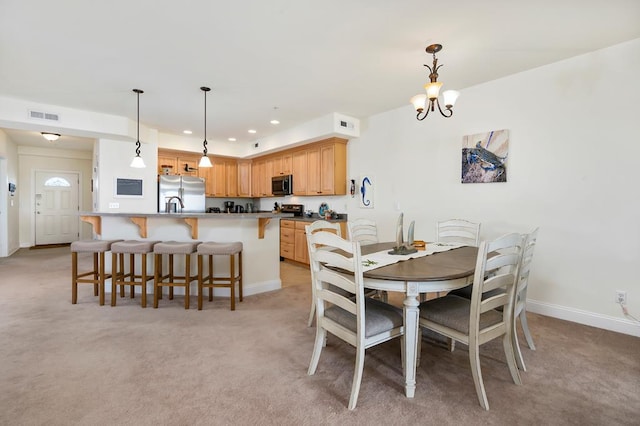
308	59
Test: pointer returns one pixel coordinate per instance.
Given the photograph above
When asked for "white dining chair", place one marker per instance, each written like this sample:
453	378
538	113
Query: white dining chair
318	225
360	321
520	309
477	321
363	230
458	231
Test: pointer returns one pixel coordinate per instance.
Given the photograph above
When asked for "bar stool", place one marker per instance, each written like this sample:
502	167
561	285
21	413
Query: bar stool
98	275
211	249
172	248
121	277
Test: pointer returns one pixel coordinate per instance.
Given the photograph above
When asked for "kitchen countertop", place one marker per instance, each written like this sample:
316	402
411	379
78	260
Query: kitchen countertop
340	218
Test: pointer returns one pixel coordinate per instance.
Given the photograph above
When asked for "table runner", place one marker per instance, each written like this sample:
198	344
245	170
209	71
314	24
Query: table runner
383	258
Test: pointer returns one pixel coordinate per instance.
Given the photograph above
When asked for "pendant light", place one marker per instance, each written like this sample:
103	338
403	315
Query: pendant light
137	161
204	161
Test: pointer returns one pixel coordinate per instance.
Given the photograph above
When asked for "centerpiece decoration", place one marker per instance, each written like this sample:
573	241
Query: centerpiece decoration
402	247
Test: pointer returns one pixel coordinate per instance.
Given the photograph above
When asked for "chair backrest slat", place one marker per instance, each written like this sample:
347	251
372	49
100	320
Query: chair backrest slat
458	231
363	230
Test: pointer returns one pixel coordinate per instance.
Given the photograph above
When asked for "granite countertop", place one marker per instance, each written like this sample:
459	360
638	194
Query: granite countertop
260	215
315	216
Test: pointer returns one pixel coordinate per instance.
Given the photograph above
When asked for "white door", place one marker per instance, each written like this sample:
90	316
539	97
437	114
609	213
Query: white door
57	207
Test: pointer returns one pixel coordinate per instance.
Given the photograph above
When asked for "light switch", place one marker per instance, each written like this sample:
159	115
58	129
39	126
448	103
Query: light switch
114	205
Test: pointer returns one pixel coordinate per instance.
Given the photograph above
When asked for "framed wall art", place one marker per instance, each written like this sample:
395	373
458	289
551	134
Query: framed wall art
484	157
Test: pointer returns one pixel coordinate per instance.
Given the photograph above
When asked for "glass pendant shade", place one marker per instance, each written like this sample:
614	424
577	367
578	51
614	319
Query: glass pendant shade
450	97
419	101
433	89
205	162
137	162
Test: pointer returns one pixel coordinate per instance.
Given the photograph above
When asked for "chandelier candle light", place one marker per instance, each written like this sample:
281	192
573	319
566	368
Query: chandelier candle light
204	161
137	161
433	90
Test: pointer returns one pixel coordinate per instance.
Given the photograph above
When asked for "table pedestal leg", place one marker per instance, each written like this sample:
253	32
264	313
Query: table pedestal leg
411	313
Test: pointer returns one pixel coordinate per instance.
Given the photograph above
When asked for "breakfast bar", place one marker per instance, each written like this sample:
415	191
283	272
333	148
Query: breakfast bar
258	232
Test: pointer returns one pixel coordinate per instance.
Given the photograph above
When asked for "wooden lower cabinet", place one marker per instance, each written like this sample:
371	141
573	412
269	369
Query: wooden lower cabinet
293	239
287	239
301	251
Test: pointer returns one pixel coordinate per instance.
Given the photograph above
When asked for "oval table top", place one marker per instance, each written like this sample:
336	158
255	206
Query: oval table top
441	266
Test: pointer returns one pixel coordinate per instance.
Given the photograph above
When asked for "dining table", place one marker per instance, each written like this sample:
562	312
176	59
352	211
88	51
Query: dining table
441	271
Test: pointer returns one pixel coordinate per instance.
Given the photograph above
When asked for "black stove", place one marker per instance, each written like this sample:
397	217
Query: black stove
296	209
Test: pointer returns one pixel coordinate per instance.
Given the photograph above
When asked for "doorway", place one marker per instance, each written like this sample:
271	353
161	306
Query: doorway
56	207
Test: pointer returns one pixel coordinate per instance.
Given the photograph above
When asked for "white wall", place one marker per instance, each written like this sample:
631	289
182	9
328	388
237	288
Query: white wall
573	156
9	236
32	159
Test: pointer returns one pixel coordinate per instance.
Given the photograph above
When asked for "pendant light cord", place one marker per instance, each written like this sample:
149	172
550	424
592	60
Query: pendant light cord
204	143
138	91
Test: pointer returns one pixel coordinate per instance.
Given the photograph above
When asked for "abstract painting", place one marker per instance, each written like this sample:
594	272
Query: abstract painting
484	157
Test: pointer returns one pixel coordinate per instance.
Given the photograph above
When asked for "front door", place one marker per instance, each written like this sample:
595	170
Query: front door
57	207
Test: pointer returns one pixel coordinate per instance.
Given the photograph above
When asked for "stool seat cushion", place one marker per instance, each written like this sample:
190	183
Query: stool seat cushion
175	247
133	246
213	248
92	246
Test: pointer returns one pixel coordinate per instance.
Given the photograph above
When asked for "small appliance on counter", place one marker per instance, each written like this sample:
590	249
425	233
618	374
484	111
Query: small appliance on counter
228	206
296	209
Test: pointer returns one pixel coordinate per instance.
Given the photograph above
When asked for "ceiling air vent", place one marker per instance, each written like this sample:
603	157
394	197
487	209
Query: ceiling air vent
44	115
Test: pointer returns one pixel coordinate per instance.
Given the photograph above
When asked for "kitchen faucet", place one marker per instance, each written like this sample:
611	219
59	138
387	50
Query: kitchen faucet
168	203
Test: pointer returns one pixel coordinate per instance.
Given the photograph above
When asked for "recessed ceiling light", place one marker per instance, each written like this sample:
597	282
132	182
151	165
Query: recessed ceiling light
232	139
187	132
274	122
252	131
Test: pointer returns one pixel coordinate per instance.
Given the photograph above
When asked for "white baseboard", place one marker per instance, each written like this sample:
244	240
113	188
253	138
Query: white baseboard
584	317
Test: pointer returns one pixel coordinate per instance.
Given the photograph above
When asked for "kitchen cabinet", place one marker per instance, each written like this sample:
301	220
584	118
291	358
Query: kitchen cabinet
293	239
257	179
282	164
168	161
299	171
300	250
231	169
188	166
209	180
244	178
287	239
225	176
326	169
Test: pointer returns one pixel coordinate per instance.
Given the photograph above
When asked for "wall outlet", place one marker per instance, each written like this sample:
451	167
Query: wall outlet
621	297
114	205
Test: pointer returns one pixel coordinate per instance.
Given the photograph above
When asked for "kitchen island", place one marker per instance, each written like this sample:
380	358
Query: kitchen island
258	232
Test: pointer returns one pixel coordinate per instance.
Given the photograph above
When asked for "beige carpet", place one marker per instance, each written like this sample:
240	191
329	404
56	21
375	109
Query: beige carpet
64	364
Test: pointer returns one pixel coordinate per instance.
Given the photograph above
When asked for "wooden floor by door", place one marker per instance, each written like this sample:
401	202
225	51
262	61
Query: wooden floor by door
57	206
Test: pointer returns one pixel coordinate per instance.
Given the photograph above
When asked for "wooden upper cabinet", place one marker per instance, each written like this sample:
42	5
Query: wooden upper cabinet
269	165
258	178
287	163
209	180
168	161
299	171
313	171
188	166
232	177
244	178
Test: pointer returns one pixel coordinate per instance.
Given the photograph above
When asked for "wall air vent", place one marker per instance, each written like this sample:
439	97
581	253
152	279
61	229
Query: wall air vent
44	115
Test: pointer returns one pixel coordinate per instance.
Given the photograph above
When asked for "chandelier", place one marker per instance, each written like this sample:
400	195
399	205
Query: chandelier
433	90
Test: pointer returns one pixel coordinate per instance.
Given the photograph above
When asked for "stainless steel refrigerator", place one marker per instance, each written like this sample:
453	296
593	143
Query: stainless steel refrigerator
190	190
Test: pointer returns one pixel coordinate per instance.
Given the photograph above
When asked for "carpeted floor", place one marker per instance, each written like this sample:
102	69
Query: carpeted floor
64	364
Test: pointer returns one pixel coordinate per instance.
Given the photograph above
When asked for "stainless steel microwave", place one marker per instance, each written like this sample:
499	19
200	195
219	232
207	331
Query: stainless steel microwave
282	185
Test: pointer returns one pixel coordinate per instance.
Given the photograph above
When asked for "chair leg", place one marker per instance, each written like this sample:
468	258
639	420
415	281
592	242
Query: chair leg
74	277
476	372
232	281
511	360
240	276
312	313
317	349
171	276
187	280
95	274
451	344
525	329
115	276
102	278
357	377
132	265
121	257
200	282
516	349
210	281
143	280
156	278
